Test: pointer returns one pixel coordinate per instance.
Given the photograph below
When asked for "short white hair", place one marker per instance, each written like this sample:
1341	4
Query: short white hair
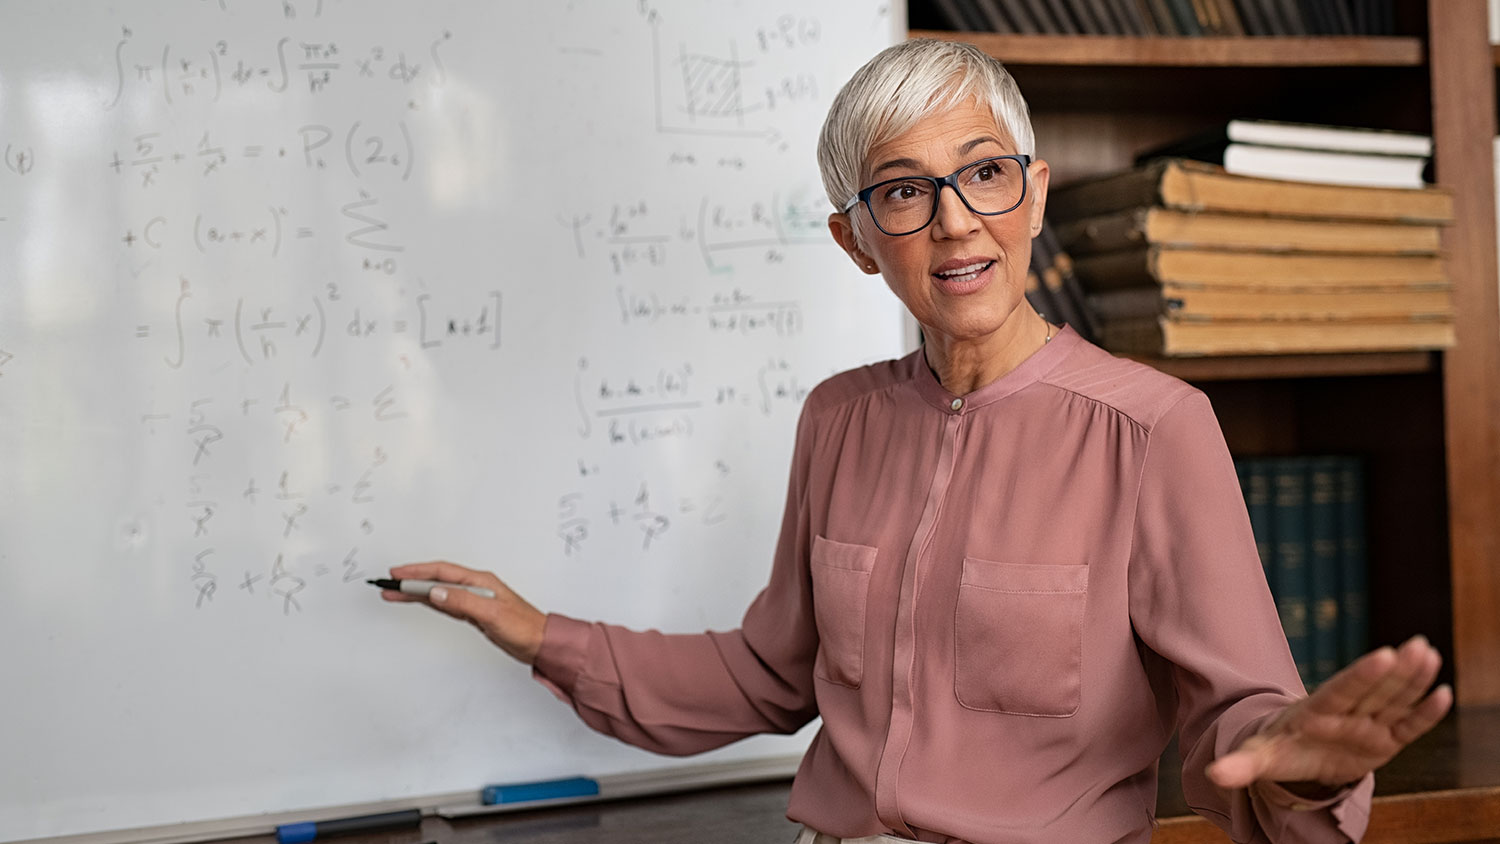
898	88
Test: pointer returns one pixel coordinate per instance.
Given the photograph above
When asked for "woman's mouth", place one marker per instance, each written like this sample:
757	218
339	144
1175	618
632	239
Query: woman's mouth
964	277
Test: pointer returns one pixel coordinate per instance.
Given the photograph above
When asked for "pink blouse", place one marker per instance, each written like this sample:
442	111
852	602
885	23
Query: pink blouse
1001	604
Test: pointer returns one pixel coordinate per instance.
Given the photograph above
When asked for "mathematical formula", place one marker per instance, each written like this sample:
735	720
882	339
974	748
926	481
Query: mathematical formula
326	226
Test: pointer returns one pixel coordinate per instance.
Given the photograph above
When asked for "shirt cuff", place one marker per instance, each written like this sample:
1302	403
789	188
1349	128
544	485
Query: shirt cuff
1277	795
560	660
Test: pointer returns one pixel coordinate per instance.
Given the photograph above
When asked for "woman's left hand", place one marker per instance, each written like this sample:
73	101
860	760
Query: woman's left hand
1352	724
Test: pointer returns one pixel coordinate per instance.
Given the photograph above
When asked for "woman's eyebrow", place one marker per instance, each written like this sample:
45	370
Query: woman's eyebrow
912	164
895	163
987	139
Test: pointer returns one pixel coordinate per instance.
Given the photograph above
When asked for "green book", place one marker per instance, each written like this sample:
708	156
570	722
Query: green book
1289	529
1257	489
1353	575
1324	562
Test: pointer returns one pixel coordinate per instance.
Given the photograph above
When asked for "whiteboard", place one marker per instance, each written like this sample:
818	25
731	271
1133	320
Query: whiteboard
294	291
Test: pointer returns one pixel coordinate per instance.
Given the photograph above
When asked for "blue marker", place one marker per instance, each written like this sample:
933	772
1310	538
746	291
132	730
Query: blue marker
296	833
526	792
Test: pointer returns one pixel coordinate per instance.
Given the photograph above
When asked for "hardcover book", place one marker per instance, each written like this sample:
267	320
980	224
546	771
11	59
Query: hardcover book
1165	226
1188	185
1208	269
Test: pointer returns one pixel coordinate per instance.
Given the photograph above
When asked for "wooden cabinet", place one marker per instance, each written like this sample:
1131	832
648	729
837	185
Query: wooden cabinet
1428	423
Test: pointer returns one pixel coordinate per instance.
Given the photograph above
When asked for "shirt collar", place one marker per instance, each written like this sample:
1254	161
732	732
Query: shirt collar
1031	370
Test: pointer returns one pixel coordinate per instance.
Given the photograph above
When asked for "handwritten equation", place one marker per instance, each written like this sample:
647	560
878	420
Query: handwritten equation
294	505
640	236
264	330
606	515
215	69
732	312
363	148
641	407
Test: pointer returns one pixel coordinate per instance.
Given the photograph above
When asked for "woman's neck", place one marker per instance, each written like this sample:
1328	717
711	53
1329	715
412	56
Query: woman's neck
965	365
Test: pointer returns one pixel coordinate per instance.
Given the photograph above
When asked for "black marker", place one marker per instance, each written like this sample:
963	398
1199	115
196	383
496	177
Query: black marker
420	588
296	833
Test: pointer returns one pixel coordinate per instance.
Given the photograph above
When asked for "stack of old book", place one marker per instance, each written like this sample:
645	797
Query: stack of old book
1180	258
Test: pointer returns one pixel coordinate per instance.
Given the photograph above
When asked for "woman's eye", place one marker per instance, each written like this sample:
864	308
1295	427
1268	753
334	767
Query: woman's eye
903	191
986	172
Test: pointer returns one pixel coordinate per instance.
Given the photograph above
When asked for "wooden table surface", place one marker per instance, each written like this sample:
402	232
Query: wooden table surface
1444	788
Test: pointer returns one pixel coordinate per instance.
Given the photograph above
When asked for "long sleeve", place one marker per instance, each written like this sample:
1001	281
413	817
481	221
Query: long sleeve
683	694
1200	604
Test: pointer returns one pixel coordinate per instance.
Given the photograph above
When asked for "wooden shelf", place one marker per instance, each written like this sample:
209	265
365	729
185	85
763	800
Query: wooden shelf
1105	50
1248	367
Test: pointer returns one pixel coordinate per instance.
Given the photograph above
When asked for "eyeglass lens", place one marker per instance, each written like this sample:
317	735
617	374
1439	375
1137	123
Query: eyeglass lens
992	186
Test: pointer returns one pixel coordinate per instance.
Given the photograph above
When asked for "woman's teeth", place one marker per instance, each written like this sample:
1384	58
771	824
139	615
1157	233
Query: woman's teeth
965	273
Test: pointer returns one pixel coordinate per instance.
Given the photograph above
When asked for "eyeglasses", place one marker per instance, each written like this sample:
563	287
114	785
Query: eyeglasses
988	187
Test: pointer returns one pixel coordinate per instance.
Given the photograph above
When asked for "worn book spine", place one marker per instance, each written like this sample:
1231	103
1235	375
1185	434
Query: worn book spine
1169	338
1257	488
1289	526
1184	17
951	14
1044	262
1042	14
1353	575
1291	16
994	16
1166	24
1212	269
1323	564
1163	226
1037	292
1131	17
1190	303
1188	185
1063	279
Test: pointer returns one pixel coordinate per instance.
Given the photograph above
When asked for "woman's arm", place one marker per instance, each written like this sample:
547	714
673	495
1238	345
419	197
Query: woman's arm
1258	754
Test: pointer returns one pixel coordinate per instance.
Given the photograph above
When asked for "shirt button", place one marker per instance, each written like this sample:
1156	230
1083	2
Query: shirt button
957	404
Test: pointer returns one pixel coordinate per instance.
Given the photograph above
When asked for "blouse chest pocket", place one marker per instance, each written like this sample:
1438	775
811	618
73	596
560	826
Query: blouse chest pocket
1018	638
841	585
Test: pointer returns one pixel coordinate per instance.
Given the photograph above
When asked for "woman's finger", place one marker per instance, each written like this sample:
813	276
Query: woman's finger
1425	716
1343	692
444	571
1245	765
1417	687
1409	660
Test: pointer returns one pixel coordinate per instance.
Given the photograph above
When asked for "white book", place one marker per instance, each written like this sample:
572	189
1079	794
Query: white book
1333	168
1309	136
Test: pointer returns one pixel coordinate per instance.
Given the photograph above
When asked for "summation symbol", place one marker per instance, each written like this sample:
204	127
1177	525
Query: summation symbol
359	237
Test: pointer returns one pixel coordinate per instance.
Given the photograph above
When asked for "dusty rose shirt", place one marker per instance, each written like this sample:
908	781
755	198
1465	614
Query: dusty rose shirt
1001	605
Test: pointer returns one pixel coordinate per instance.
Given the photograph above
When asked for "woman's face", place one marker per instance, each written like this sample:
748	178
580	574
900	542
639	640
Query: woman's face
965	274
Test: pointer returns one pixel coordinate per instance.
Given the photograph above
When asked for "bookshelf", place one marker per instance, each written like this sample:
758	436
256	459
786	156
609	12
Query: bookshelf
1109	50
1429	423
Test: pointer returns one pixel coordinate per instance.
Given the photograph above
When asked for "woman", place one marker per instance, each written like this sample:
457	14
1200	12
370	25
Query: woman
1010	564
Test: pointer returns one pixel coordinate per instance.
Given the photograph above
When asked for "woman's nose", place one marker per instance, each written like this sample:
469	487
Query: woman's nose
953	218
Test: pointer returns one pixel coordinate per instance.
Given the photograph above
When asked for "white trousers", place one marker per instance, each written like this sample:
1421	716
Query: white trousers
809	836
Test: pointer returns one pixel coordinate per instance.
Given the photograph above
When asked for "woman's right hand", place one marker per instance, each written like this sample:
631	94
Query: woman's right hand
506	619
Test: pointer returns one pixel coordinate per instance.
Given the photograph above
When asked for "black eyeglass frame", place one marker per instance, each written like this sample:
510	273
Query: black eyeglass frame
951	180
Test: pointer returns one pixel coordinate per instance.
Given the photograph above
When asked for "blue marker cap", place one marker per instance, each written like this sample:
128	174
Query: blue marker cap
296	833
548	790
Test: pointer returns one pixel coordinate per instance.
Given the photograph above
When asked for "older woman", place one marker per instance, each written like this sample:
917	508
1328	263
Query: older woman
1010	564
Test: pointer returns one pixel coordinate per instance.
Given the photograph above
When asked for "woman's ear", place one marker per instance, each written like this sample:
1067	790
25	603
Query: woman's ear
841	226
1040	175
